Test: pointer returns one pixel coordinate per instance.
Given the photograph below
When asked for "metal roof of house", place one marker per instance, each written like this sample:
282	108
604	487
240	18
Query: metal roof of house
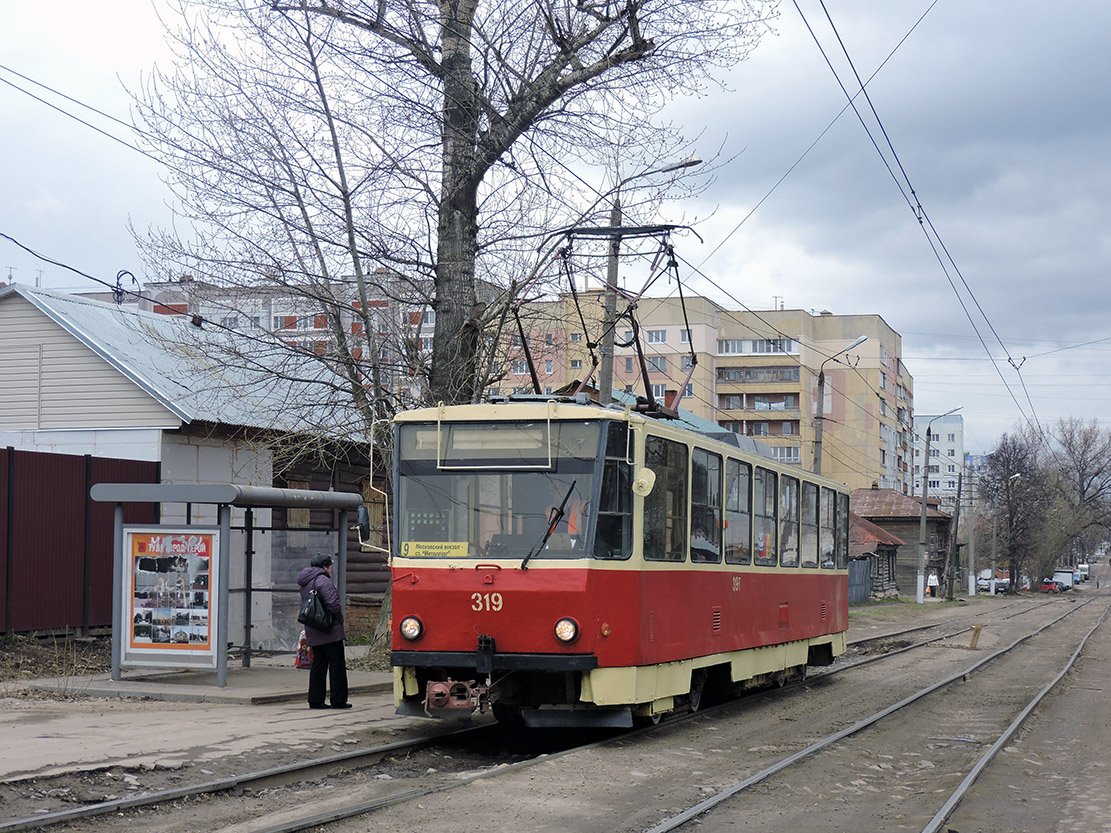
887	503
203	373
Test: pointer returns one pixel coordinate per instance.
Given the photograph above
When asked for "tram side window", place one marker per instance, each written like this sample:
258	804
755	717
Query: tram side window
842	537
665	507
705	507
809	541
826	529
614	532
788	522
738	512
765	502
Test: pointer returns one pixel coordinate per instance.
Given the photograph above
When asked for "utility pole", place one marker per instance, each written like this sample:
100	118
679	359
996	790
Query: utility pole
605	372
971	537
922	525
925	491
819	418
954	547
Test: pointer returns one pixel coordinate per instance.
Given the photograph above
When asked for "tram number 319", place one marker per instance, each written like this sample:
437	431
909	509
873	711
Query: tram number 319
486	601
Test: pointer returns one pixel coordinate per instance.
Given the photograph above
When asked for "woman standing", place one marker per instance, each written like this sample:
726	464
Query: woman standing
328	662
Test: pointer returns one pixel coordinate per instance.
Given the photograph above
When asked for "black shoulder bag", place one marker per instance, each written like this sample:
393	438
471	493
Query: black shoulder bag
314	614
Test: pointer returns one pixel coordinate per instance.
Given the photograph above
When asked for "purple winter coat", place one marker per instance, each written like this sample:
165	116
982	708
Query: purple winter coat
309	578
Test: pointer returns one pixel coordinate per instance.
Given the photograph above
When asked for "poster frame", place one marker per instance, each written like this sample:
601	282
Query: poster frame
180	595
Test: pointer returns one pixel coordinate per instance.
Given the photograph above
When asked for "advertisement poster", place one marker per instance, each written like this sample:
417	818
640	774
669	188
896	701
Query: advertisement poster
169	595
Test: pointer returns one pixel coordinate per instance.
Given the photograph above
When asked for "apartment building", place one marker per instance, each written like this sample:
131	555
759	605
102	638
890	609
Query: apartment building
947	458
756	373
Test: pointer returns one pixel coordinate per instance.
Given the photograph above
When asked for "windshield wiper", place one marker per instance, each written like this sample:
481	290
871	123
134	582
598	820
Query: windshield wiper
553	521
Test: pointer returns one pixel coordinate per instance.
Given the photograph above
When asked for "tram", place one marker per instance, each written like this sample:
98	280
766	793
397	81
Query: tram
558	563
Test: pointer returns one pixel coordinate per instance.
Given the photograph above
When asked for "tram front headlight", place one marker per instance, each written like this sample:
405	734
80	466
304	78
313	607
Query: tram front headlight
411	628
566	630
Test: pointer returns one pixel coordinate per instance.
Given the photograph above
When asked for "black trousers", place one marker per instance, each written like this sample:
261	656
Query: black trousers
328	663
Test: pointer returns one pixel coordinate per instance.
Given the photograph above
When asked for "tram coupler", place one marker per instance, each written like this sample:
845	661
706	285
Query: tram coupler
455	695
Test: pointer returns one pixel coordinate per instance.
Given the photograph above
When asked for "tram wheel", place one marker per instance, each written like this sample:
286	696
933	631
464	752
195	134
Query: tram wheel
698	687
646	720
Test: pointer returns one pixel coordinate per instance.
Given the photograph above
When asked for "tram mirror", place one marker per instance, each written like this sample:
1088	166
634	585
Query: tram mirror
644	481
363	524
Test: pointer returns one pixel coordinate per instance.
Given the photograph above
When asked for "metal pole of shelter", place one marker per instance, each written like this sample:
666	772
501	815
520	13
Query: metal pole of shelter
118	630
341	558
224	521
248	581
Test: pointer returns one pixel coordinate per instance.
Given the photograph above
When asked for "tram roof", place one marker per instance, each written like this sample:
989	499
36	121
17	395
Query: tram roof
622	400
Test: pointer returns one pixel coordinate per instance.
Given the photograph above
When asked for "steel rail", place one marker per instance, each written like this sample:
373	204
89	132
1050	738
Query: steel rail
285	773
680	819
962	789
301	770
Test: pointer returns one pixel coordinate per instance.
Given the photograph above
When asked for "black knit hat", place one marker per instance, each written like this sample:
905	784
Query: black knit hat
321	559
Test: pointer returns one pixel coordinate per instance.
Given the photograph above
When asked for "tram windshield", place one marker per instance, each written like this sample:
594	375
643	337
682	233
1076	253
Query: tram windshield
497	489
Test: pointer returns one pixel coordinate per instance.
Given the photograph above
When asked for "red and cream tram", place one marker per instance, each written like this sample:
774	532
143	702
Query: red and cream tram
562	563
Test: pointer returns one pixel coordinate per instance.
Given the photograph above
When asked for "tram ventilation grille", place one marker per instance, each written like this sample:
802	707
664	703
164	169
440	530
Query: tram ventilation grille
717	621
825	612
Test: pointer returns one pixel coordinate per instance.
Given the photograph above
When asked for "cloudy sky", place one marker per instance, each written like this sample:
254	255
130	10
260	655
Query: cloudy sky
998	111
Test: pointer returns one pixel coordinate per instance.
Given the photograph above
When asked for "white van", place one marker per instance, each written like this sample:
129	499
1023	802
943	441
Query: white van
1065	578
1085	571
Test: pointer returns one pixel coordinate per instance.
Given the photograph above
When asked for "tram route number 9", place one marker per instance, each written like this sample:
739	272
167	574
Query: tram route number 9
486	601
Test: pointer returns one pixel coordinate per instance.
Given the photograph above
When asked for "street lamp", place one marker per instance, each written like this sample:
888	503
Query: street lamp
922	525
605	372
819	424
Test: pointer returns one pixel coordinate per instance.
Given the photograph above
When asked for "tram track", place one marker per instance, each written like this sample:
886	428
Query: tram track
699	811
383	796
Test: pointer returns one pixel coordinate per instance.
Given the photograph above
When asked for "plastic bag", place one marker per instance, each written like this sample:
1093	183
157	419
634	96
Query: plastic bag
303	658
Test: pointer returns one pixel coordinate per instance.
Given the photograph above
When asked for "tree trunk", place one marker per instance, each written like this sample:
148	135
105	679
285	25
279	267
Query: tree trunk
455	341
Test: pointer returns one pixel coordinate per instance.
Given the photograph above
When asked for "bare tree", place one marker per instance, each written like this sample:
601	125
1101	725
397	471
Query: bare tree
316	145
1014	483
1084	478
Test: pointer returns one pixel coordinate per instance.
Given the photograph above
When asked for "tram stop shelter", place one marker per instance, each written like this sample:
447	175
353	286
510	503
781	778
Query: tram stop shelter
214	566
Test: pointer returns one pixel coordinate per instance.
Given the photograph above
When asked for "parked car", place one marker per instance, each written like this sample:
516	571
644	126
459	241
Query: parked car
1050	586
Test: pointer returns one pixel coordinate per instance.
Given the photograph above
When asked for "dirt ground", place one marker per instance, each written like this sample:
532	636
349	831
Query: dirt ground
1050	774
34	657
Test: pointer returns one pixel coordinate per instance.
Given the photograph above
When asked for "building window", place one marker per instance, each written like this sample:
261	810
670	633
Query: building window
773	345
788	429
548	364
686	362
576	364
657	336
657	363
688	390
659	391
230	321
786	453
727	346
627	336
576	336
549	340
628	364
685	336
883	381
952	438
758	429
729	401
519	366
